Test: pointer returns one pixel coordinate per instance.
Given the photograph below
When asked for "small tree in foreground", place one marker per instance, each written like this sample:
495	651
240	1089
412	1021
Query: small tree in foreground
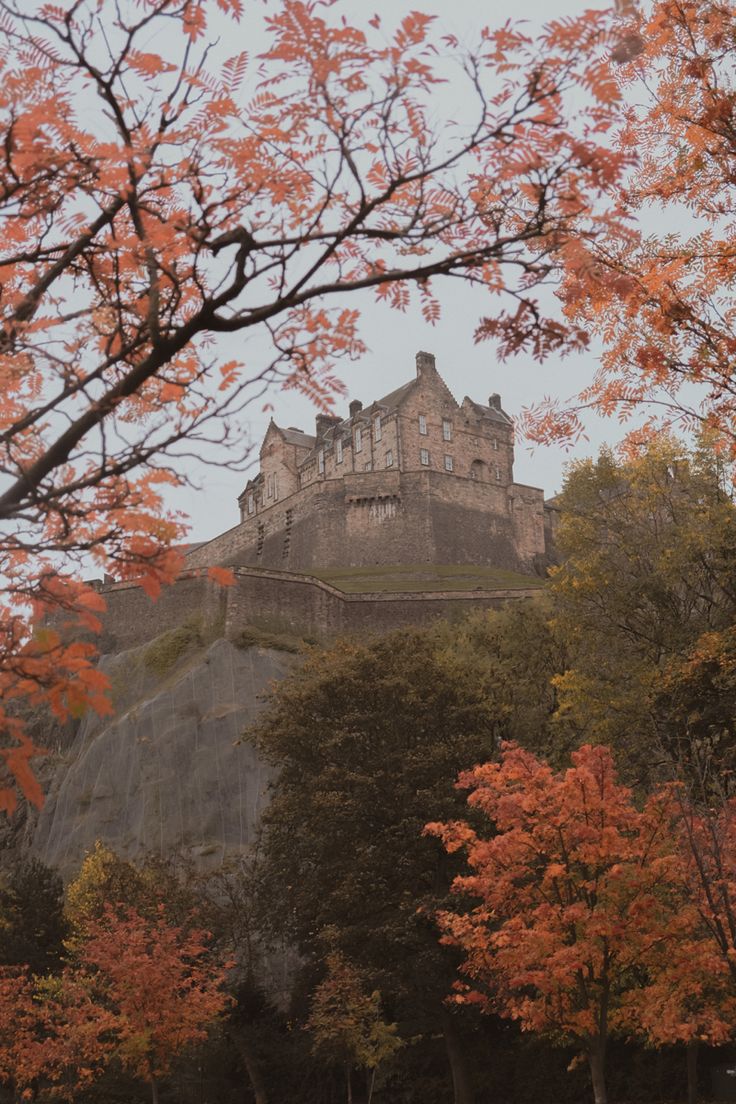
574	887
346	1024
158	983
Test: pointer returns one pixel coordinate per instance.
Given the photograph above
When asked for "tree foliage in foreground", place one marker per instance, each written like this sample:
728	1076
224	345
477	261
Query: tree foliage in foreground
154	203
658	289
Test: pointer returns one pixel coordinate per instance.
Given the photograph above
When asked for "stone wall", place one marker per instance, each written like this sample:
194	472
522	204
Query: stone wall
281	602
388	517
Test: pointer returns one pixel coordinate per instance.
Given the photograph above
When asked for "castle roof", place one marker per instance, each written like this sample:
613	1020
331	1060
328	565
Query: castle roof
395	398
298	437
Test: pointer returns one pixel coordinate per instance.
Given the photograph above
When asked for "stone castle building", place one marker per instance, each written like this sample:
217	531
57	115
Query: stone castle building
416	477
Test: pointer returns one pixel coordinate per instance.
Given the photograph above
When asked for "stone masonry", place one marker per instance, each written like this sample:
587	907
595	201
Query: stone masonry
416	477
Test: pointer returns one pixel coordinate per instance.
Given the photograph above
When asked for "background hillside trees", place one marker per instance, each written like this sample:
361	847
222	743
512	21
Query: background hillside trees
368	741
647	543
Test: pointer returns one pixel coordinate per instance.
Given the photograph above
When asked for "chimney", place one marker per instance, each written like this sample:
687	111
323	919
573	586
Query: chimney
355	407
494	401
323	422
425	363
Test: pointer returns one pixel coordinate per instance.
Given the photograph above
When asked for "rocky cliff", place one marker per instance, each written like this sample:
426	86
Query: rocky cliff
165	773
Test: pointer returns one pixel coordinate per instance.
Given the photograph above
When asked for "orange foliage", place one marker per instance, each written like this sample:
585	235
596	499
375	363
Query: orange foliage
152	203
575	888
657	285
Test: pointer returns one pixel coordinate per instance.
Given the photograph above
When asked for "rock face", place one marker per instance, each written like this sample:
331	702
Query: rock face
165	773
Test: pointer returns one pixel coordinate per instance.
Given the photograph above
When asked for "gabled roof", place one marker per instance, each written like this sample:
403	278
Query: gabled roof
297	437
395	398
495	413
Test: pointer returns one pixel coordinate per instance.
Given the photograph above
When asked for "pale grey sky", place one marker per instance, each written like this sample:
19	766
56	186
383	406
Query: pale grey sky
394	338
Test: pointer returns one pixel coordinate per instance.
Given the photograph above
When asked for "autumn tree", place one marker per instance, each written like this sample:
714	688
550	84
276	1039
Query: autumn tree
55	1039
198	195
572	885
346	1024
658	289
647	544
158	984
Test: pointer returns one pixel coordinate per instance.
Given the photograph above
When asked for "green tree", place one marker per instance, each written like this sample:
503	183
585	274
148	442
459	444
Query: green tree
345	1022
32	924
647	544
368	740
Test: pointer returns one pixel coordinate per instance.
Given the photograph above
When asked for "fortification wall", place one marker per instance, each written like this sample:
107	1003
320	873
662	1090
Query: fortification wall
281	602
388	517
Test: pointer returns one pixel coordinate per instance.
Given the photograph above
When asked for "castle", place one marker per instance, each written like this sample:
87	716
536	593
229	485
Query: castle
416	477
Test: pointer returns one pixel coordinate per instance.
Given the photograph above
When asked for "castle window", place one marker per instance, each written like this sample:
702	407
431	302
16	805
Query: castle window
275	486
321	461
269	486
448	463
498	474
377	430
446	432
389	459
358	440
495	444
478	470
424	457
368	466
423	426
251	504
338	450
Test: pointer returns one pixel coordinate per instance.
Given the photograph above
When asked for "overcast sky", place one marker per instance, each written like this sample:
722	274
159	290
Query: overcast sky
394	338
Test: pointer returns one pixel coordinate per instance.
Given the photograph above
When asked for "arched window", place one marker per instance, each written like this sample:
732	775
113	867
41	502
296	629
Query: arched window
478	471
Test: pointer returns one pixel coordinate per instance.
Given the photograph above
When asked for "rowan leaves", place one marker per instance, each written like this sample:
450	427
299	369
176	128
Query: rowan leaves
157	198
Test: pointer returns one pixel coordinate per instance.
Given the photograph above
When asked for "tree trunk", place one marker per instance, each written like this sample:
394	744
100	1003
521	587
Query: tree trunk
252	1065
596	1059
692	1071
154	1089
371	1083
461	1083
349	1081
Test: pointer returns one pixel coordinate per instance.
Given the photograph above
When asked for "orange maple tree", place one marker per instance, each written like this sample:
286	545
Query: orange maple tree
575	888
54	1035
658	288
153	203
158	984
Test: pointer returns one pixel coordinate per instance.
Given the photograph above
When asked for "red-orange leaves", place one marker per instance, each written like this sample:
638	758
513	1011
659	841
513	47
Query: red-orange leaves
572	885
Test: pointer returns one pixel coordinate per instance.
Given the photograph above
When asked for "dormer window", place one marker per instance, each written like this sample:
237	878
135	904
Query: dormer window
275	486
446	429
269	486
423	424
377	430
251	504
358	440
338	450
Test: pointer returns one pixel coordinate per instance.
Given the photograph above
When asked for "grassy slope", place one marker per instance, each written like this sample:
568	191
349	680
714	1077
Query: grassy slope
423	577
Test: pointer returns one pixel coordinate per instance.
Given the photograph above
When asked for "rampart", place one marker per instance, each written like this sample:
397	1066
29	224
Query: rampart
388	518
281	602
